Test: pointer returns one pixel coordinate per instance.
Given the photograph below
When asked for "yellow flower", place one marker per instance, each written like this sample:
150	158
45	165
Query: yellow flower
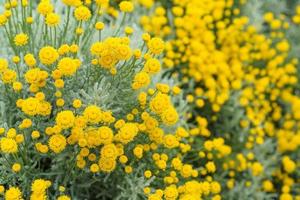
2	130
156	45
8	145
35	76
11	133
63	49
3	65
148	174
44	8
141	79
30	105
39	186
9	76
57	143
17	86
160	103
16	167
29	20
170	193
35	134
128	169
19	138
48	55
77	103
107	165
72	2
170	116
94	168
61	188
123	159
128	30
210	166
99	25
52	19
21	39
154	197
44	108
152	66
3	19
2	189
82	13
30	60
68	66
102	2
59	83
126	6
286	196
109	151
93	114
215	187
16	59
65	119
24	3
288	164
268	186
138	151
170	141
107	60
13	193
146	3
127	133
105	135
257	168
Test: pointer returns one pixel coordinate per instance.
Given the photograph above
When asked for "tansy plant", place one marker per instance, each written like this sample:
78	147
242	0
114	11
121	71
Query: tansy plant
83	115
240	77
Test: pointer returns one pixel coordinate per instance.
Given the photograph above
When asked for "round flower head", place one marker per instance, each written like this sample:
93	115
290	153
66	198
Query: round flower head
65	119
45	7
156	45
67	66
82	13
93	114
17	86
152	66
107	165
13	193
16	167
21	39
3	19
8	145
63	197
52	19
3	64
102	2
126	6
30	60
57	143
74	3
48	55
141	79
170	116
99	25
38	188
9	76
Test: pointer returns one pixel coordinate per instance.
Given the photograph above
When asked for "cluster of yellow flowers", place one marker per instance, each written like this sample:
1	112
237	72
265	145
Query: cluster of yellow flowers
227	57
198	105
296	18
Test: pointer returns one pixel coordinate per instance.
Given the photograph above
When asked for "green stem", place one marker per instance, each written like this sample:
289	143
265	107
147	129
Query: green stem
119	28
67	25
